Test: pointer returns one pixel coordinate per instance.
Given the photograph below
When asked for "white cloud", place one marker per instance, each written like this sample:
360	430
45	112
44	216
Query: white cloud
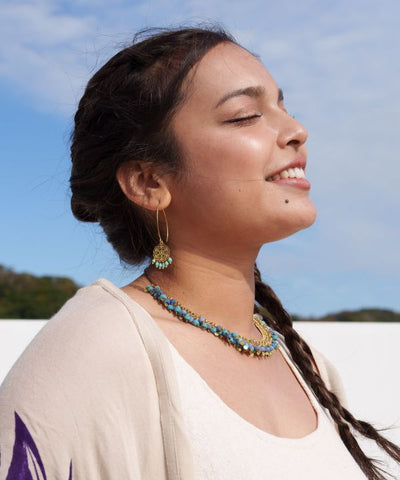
44	52
40	25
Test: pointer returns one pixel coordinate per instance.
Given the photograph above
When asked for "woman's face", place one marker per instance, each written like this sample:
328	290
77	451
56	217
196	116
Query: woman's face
238	145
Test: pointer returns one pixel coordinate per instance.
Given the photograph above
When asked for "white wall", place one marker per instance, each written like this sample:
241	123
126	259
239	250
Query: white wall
366	355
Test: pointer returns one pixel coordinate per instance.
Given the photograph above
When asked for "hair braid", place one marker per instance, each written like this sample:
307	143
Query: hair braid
303	357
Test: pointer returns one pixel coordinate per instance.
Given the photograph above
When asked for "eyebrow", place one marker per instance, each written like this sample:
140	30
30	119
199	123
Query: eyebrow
254	92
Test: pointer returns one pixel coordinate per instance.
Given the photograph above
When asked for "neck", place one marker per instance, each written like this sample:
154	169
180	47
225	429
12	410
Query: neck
221	290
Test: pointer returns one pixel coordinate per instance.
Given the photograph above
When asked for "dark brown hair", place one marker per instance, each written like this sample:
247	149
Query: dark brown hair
122	117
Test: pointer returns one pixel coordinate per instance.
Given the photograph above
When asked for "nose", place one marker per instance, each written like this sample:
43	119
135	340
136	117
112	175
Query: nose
292	132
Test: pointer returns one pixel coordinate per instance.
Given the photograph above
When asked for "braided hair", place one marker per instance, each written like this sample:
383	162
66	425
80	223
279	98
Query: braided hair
303	357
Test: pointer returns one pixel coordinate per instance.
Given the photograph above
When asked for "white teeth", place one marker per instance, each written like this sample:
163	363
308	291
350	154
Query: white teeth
299	172
296	172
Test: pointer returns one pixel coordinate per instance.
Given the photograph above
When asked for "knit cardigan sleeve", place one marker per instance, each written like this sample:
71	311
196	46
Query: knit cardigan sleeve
82	401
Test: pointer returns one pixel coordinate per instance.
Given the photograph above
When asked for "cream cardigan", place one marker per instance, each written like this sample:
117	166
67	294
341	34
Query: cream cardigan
95	395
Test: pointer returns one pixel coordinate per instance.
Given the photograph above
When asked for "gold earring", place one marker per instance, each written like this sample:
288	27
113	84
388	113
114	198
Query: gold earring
161	253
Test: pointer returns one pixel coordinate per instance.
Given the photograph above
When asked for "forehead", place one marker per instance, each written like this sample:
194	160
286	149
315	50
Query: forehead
225	68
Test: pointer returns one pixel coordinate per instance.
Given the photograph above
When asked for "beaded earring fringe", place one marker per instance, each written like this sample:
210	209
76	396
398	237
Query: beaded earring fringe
161	256
252	347
161	252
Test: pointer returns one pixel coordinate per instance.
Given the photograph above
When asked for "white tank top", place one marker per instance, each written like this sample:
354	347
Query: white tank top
226	446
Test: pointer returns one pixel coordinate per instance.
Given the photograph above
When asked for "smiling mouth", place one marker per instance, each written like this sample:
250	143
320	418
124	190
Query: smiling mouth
296	172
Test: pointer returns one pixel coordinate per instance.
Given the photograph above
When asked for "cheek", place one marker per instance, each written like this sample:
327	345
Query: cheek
238	154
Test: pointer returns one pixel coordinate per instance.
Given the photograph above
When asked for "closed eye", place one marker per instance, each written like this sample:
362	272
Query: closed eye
243	119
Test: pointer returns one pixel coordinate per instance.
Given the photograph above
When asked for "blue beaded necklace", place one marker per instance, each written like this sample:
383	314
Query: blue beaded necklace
254	348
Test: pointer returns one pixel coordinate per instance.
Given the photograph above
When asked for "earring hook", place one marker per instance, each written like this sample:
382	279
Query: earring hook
166	226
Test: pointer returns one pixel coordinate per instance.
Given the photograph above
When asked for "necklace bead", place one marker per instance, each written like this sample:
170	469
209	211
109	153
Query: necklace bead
263	347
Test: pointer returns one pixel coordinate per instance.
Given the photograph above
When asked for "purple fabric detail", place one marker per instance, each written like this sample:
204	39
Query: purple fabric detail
25	452
24	445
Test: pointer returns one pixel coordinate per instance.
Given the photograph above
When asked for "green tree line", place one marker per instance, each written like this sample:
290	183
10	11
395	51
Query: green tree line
362	315
23	295
27	296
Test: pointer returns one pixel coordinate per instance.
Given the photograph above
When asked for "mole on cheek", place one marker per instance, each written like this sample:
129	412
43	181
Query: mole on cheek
286	201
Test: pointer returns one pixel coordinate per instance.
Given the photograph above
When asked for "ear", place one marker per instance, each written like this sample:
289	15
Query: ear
143	185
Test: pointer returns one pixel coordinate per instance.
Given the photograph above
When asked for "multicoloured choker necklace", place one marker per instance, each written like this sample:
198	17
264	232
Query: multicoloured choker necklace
263	347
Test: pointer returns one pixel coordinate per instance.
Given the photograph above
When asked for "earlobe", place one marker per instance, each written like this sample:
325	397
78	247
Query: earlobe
143	185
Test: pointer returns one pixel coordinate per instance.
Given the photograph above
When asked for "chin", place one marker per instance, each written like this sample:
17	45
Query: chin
305	219
300	219
308	217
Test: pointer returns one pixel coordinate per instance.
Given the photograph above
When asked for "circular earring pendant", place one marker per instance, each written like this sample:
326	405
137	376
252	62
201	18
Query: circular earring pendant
161	256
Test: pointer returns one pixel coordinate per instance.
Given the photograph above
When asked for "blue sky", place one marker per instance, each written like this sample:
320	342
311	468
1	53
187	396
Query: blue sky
339	66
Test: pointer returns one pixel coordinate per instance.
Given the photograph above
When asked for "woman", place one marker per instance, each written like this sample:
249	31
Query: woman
184	153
